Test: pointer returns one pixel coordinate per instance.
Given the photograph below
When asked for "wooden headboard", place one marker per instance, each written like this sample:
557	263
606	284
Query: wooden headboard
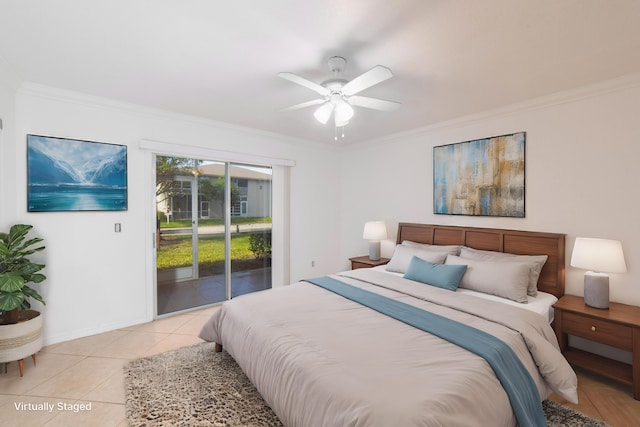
494	239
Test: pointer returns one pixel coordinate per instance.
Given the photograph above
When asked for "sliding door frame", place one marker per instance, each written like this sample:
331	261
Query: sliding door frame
227	231
280	209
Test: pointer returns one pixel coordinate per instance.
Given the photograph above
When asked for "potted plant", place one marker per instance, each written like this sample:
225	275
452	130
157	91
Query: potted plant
20	327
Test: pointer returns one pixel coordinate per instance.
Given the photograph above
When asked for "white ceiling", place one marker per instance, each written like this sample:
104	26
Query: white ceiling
219	59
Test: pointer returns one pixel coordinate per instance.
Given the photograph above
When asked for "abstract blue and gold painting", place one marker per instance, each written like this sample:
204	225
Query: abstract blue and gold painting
484	177
74	175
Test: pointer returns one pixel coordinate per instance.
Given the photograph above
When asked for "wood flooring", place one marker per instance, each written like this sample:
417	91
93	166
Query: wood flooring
605	399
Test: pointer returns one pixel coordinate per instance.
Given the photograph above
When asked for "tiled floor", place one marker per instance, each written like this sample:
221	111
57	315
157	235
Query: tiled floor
88	371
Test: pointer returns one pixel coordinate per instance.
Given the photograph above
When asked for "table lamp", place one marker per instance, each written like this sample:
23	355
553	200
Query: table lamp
374	231
600	256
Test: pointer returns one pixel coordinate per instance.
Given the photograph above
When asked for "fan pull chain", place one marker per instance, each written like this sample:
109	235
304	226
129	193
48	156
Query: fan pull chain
335	137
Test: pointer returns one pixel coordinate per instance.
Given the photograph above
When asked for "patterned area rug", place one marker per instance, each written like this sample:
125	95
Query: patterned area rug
194	386
558	415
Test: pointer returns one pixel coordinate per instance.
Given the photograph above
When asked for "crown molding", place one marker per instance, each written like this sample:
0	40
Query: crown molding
93	101
565	97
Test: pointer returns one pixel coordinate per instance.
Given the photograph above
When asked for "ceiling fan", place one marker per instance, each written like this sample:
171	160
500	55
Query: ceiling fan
339	95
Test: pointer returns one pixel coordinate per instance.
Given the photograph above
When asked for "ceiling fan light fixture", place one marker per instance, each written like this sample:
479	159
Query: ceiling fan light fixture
323	112
338	95
343	113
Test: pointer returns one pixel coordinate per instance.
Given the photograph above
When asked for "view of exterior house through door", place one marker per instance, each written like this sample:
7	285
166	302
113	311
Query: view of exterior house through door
207	250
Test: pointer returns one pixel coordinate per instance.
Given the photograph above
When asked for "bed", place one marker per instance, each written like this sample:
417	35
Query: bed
320	356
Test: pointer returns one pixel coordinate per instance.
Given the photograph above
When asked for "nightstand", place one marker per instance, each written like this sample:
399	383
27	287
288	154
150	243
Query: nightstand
365	262
619	327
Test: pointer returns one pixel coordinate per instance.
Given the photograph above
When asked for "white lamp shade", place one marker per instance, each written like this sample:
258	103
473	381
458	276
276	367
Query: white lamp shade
600	255
343	113
374	230
323	112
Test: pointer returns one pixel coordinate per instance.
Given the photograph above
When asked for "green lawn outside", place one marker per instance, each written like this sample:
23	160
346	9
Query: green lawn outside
175	251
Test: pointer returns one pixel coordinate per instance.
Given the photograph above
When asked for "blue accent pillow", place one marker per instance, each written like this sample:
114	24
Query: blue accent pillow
440	275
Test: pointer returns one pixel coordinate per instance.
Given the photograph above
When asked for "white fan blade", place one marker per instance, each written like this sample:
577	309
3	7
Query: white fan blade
306	83
367	79
303	105
373	103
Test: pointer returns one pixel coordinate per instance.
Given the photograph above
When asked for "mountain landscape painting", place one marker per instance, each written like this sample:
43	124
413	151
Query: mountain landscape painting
73	175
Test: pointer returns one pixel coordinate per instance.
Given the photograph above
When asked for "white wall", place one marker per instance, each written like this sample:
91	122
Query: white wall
98	280
582	175
8	86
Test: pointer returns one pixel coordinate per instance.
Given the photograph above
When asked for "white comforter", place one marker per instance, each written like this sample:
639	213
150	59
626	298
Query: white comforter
321	360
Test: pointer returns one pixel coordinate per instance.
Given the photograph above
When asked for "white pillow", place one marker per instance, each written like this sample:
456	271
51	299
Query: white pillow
402	258
536	263
451	249
504	279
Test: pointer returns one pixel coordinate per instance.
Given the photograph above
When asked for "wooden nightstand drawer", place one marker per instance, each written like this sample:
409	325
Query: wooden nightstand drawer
365	262
355	265
612	334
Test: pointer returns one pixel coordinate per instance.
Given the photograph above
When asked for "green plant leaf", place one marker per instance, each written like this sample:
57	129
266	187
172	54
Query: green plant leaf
32	293
37	278
29	268
11	300
17	234
22	249
16	269
11	282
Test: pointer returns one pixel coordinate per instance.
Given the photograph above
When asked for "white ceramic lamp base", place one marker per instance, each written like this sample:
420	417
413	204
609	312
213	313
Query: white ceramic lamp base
374	250
596	289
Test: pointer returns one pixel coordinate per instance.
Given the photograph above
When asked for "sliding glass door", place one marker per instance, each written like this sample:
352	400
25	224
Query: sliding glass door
250	215
208	250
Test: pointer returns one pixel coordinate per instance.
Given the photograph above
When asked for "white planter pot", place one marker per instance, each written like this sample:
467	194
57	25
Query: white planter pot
22	339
